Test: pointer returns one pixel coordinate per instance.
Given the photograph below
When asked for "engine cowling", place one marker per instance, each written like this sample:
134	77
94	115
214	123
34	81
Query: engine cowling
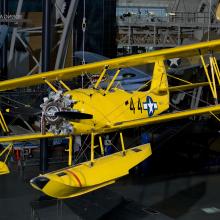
56	102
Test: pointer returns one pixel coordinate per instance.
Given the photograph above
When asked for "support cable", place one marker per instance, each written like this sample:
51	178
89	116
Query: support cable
209	23
83	37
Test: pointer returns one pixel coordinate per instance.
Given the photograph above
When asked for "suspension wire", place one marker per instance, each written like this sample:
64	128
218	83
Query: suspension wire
83	38
209	23
184	5
84	29
84	26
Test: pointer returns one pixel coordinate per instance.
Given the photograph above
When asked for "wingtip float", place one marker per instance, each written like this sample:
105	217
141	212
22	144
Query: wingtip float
83	178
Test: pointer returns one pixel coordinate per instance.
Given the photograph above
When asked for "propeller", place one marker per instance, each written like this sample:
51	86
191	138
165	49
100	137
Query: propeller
71	115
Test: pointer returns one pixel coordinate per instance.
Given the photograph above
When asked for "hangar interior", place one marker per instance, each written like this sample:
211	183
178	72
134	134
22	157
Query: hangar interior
180	179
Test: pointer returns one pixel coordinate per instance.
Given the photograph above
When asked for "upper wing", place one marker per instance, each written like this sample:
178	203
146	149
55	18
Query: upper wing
122	62
161	118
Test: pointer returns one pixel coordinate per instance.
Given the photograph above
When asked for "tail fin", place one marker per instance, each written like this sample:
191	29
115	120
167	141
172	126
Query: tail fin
159	84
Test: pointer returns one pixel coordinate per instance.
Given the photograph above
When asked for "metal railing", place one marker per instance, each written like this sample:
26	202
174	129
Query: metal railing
177	17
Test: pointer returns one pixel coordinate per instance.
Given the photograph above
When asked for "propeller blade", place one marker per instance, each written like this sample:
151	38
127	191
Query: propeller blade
73	115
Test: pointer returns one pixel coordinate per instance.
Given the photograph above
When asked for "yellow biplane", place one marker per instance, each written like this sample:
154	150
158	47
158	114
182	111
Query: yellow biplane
96	111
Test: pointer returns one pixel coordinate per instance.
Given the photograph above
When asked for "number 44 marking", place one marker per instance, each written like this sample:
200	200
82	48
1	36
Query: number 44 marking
132	106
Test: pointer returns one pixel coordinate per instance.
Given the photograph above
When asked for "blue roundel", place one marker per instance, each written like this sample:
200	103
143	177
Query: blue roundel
150	106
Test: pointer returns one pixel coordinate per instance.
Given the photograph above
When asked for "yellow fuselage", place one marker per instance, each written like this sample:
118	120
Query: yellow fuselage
114	107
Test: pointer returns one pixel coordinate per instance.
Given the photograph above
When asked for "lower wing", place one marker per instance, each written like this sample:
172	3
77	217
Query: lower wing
161	118
26	137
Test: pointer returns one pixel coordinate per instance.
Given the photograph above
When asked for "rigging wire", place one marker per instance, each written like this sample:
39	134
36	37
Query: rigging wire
15	101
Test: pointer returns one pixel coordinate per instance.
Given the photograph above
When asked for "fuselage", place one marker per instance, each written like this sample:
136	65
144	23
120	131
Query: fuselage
115	106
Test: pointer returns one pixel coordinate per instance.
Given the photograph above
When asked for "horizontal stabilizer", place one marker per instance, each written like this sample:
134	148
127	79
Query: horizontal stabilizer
83	178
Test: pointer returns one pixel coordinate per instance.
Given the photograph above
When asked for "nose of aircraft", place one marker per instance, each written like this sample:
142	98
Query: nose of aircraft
39	182
59	185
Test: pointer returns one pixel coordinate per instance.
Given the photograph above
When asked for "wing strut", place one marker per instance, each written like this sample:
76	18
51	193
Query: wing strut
112	81
101	77
64	85
70	151
50	85
122	144
92	149
212	83
53	88
3	123
215	64
93	146
101	146
3	166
